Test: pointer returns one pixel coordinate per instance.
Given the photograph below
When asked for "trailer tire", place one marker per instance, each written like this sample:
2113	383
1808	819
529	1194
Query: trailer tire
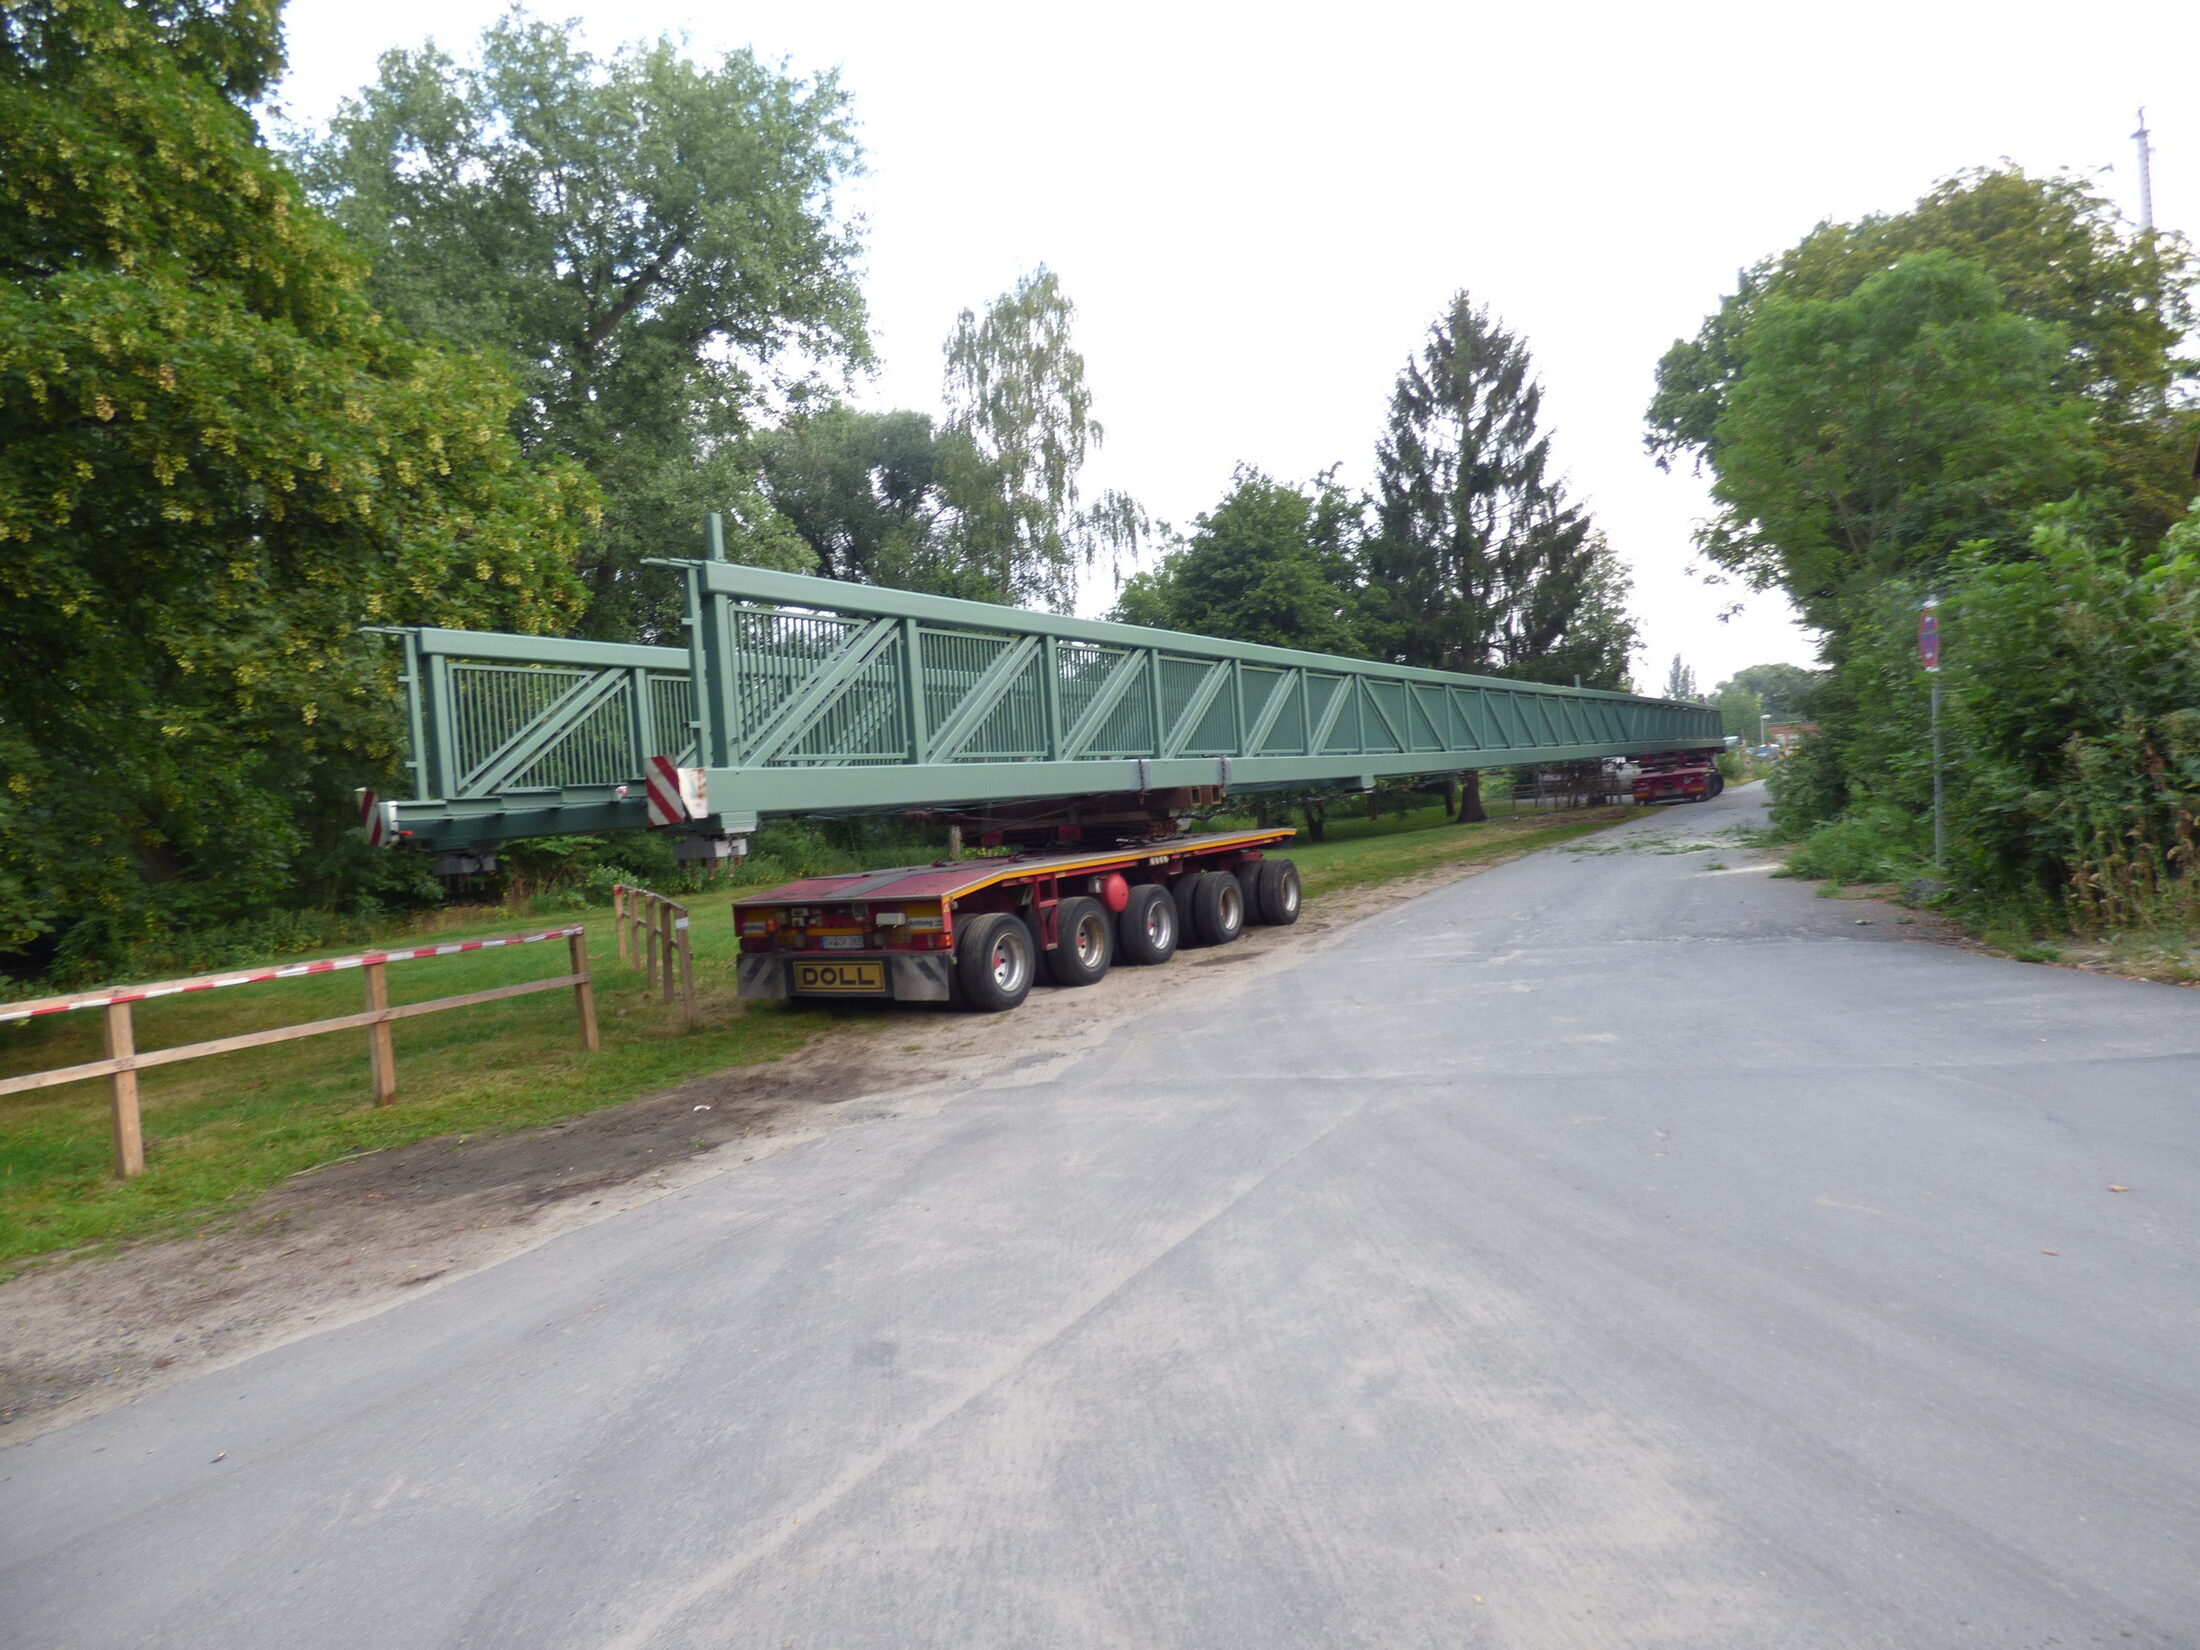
1086	945
995	961
1718	784
1149	927
1248	873
1185	892
1218	908
1275	893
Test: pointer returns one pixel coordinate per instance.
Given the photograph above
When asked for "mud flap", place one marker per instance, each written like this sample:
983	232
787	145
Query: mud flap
761	976
921	979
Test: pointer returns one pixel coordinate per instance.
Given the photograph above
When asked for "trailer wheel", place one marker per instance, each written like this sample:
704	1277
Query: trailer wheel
1185	892
1087	943
1147	930
1718	783
1275	893
1218	908
994	963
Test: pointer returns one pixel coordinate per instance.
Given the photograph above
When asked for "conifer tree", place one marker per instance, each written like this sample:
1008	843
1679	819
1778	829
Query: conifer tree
1478	561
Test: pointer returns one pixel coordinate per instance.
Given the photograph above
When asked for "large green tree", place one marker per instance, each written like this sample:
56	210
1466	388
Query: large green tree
217	461
1782	691
867	492
1478	561
651	242
1271	563
1869	435
2058	253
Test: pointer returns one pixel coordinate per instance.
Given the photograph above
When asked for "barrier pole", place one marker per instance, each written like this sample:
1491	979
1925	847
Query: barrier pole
122	1091
618	918
584	990
650	927
687	971
664	922
381	1050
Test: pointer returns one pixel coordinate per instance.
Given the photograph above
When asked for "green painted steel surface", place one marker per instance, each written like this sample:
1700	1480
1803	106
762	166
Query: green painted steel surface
801	695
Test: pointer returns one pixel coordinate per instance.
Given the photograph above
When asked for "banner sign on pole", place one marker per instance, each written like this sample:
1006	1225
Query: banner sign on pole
1928	636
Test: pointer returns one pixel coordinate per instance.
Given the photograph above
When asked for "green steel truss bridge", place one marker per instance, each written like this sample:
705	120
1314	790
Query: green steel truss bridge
802	695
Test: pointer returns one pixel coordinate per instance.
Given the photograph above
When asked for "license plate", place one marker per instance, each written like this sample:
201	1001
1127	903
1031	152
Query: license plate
842	942
840	976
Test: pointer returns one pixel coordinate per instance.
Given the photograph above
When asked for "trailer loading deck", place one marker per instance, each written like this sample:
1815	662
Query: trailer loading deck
977	931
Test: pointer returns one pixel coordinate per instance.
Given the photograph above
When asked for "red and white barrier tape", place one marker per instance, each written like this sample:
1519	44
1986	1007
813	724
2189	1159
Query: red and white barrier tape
290	971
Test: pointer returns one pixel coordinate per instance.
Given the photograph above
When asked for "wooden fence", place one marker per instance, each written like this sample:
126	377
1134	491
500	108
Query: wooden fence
653	934
124	1060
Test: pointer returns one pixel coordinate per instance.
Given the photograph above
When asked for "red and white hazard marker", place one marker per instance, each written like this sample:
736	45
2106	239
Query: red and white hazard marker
675	793
377	818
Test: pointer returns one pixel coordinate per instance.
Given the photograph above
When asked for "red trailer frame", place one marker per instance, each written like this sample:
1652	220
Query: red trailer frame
1679	776
900	934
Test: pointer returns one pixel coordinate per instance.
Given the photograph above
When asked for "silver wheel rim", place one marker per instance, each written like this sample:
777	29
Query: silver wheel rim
1159	914
1091	940
1290	886
1008	963
1231	907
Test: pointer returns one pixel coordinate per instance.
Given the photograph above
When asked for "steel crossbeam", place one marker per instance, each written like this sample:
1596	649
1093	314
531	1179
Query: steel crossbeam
805	695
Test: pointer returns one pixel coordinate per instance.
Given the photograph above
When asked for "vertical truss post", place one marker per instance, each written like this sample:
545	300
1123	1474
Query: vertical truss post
912	687
642	719
1153	697
443	711
416	679
1050	697
710	668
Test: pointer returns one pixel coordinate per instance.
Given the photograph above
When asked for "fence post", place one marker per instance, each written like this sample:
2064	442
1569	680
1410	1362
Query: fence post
381	1051
618	917
687	970
584	992
664	922
123	1091
650	927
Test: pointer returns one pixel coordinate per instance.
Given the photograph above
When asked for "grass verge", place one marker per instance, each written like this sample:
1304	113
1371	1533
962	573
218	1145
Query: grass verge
221	1131
1359	853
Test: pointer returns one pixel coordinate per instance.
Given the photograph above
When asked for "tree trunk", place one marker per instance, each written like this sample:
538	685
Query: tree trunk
954	842
1470	800
1315	820
1453	795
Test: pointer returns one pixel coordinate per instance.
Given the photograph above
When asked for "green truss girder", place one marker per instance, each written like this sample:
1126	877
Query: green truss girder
802	695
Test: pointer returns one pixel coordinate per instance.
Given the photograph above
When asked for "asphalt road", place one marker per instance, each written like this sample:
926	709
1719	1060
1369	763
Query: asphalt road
1610	1250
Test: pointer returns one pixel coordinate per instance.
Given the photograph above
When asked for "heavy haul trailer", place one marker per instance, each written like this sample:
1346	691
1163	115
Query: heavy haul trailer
1063	737
980	932
1679	776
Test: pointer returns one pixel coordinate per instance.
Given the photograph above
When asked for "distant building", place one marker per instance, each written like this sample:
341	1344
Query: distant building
1784	735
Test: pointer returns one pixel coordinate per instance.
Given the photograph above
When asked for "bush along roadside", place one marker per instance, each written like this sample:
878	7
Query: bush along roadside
2071	727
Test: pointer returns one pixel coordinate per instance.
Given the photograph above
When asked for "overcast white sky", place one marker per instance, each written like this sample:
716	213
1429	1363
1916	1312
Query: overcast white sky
1259	209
